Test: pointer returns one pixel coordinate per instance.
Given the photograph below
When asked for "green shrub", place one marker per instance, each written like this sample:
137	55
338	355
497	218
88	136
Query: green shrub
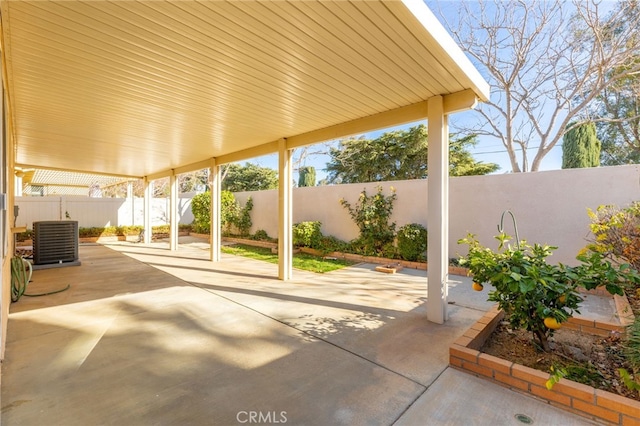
616	233
228	210
632	345
201	209
160	229
261	235
127	230
307	234
231	214
109	231
632	355
329	244
23	236
130	230
412	241
372	214
390	251
242	220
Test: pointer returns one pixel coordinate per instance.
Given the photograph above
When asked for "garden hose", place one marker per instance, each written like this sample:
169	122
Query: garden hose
21	272
19	277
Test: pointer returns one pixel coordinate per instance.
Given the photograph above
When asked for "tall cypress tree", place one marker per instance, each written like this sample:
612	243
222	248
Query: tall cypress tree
307	176
580	147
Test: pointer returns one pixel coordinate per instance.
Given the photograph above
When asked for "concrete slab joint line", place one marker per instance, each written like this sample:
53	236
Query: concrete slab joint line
147	335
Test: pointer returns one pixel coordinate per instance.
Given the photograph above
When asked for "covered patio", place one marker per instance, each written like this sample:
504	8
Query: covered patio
174	335
151	336
155	89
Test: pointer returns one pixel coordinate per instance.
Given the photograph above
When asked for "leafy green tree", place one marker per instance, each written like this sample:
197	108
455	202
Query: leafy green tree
398	155
580	147
307	176
618	106
619	129
462	163
250	177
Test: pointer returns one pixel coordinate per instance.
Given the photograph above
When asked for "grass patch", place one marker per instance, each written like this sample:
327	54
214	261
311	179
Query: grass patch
304	261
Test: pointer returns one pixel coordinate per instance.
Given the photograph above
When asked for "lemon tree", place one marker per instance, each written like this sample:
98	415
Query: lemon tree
535	295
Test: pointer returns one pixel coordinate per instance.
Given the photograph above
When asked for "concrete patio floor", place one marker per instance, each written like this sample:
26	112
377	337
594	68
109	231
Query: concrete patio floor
149	336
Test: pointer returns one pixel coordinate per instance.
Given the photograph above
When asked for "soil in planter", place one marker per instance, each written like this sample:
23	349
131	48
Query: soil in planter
591	360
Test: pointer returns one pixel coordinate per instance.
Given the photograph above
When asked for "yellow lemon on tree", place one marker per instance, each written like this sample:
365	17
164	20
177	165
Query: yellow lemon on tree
551	323
562	299
477	286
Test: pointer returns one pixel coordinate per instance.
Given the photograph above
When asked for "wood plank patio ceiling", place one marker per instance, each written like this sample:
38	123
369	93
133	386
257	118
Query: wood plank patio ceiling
138	88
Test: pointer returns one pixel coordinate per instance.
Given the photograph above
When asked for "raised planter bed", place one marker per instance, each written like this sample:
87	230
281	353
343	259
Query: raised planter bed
255	243
584	400
453	270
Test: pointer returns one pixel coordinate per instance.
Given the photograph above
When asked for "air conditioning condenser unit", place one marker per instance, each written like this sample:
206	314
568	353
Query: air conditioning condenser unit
55	242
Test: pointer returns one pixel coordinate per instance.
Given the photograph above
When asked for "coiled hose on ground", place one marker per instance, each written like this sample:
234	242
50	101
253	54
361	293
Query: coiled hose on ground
21	272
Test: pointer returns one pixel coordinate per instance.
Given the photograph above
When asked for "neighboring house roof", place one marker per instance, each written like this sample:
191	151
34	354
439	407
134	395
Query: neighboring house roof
141	88
55	182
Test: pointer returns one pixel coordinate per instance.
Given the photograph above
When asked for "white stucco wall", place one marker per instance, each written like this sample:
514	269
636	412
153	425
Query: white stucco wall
550	207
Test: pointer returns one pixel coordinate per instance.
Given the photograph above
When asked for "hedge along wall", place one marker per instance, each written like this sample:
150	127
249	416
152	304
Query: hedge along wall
550	207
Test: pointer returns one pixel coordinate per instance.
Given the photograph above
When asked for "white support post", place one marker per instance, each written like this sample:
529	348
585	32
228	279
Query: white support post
285	212
173	215
18	183
437	211
148	195
133	202
215	224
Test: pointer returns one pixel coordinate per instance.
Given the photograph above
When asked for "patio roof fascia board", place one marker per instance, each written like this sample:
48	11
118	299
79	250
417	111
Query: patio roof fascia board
454	102
436	30
402	115
399	116
459	101
159	175
394	117
204	164
245	154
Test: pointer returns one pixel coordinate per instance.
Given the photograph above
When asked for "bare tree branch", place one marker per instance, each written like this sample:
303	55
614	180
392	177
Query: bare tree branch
547	62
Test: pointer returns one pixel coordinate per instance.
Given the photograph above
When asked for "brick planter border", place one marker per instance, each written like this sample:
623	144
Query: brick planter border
568	395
